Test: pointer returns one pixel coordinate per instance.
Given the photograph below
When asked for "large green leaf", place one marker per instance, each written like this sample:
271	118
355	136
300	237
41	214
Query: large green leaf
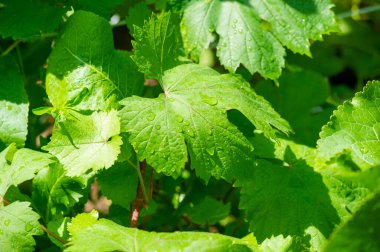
105	235
361	232
18	224
157	45
17	166
288	199
27	19
14	104
355	127
190	117
54	193
253	33
86	142
85	72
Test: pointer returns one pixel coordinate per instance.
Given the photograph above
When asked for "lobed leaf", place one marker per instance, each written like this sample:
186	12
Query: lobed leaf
254	33
190	117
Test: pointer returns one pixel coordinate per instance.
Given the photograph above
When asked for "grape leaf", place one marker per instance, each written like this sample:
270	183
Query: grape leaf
86	142
14	103
253	33
17	225
54	194
209	211
27	19
299	99
85	72
361	232
17	166
157	45
288	199
119	184
192	111
59	228
355	126
100	7
105	235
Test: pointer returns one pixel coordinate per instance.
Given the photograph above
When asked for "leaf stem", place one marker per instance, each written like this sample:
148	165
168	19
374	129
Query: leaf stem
360	11
10	48
48	232
141	198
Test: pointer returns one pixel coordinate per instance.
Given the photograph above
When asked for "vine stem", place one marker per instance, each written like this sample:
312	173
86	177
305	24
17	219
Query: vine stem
360	11
10	48
141	197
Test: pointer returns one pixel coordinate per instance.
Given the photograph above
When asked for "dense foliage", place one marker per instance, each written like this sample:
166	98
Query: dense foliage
197	125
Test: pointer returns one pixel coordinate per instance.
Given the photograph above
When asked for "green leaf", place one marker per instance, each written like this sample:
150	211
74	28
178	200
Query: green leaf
54	194
59	228
18	224
17	166
85	72
157	45
276	244
288	198
137	15
209	211
190	117
100	7
361	232
254	33
86	142
119	184
299	99
14	103
355	127
86	236
27	19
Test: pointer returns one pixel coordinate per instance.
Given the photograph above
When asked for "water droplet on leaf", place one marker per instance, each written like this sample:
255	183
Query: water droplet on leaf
211	101
179	118
7	222
157	127
28	227
150	116
363	150
190	133
211	151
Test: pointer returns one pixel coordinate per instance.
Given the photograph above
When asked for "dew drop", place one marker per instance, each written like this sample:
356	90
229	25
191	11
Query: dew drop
211	101
9	107
178	129
28	227
235	20
179	118
157	127
150	116
210	133
1	232
256	163
234	26
152	151
363	150
7	222
303	20
211	151
186	123
211	29
240	30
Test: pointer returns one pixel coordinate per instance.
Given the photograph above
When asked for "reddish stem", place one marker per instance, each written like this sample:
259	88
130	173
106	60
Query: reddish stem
139	202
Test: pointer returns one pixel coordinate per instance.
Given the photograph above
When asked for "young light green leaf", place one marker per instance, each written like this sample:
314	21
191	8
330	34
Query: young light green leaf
191	114
355	126
54	193
361	232
253	33
157	45
86	142
17	166
18	224
14	103
86	236
26	20
85	72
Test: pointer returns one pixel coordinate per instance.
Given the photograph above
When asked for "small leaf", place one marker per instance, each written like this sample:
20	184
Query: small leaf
86	142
